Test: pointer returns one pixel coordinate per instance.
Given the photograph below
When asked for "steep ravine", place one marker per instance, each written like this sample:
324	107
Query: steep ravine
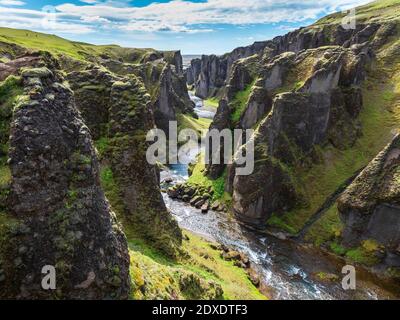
288	270
324	103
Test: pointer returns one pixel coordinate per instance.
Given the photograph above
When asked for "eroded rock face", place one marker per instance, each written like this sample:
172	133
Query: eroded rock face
210	77
370	206
210	73
57	213
168	91
139	182
221	121
321	109
120	110
260	104
92	93
162	75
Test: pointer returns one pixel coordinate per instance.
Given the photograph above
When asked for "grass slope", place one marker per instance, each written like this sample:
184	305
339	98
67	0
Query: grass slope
160	275
380	118
381	10
60	46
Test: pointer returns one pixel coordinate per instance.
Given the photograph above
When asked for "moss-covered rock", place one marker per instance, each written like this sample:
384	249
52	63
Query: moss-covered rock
56	211
370	210
118	111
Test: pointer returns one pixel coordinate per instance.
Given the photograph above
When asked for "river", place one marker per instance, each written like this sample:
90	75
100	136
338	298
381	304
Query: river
284	267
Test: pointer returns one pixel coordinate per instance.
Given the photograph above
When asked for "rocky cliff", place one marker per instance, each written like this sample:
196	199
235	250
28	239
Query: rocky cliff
54	211
211	73
370	211
163	78
312	114
118	110
323	101
56	110
72	152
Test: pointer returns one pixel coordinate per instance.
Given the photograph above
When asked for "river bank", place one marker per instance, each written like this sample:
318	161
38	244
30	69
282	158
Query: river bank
291	270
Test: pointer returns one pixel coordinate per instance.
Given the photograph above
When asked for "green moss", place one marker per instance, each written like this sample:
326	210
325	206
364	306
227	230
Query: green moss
327	228
380	10
298	73
298	85
198	178
5	174
278	222
188	122
72	196
212	102
323	276
239	102
102	144
219	186
112	191
36	72
77	50
194	276
337	248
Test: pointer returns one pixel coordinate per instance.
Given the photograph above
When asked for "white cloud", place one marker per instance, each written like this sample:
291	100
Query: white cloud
180	16
40	21
177	15
11	3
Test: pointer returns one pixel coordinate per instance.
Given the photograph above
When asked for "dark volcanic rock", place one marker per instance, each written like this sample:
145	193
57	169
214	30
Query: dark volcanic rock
221	121
57	213
123	115
211	73
370	206
322	109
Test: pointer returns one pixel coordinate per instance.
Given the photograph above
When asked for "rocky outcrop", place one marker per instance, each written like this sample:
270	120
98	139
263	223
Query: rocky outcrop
208	76
120	109
323	109
220	122
162	75
370	206
56	211
211	73
168	91
259	104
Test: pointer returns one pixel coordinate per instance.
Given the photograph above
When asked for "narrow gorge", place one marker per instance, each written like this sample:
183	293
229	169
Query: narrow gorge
78	193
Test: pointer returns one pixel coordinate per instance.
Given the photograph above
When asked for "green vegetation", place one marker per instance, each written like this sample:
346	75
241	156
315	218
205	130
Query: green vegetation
380	10
297	74
337	248
239	102
277	222
365	254
155	276
77	50
199	179
188	122
10	89
327	228
211	102
5	173
111	190
327	277
380	113
51	43
102	145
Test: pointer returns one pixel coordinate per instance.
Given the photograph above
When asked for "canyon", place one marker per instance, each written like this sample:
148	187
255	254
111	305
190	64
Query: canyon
77	193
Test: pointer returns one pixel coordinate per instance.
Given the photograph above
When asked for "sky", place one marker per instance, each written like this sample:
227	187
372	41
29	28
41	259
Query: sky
192	26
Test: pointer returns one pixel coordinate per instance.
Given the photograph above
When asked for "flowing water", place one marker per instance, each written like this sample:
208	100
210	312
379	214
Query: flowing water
283	268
